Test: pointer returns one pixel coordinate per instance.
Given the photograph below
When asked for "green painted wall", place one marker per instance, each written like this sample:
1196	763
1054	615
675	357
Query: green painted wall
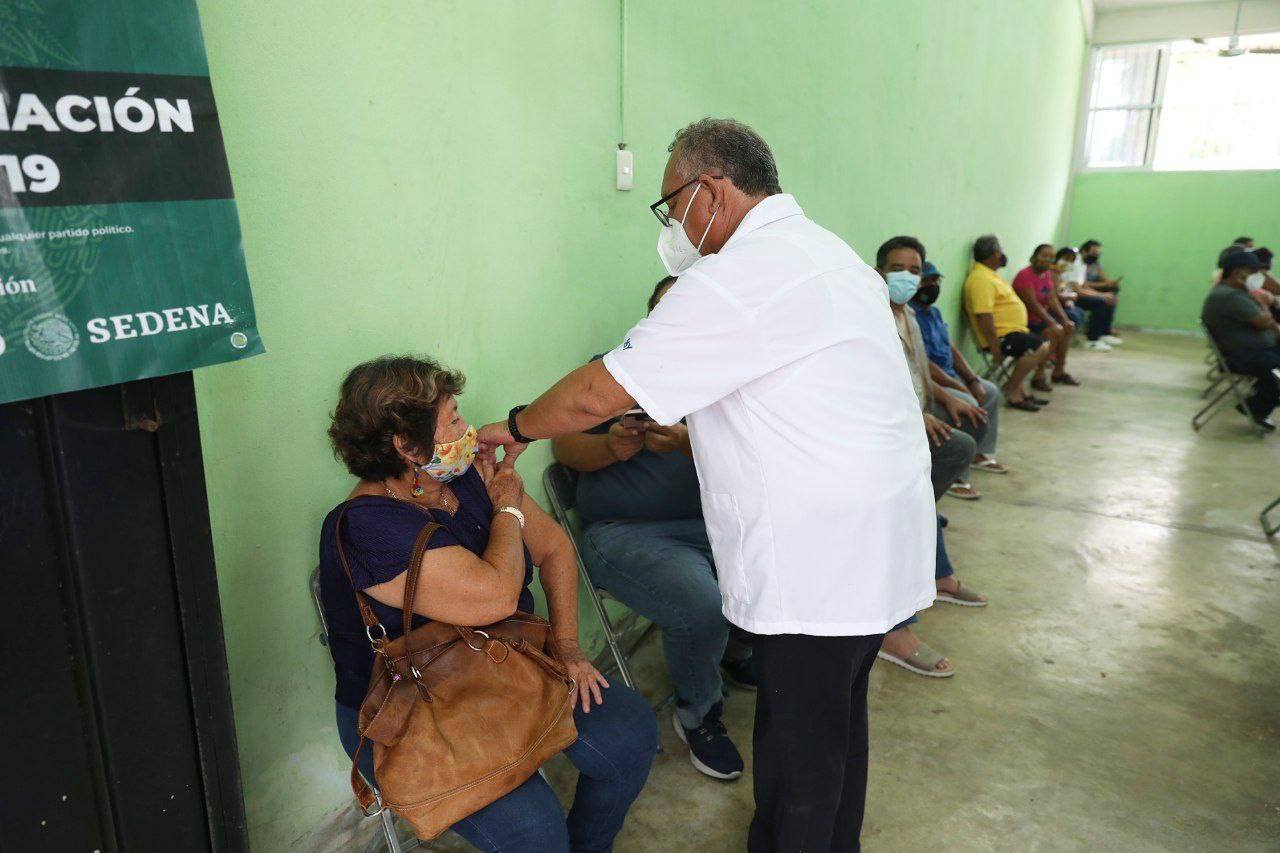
1164	230
438	177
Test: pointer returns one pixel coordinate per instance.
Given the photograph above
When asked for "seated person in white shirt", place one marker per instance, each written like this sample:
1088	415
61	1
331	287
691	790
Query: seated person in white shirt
646	543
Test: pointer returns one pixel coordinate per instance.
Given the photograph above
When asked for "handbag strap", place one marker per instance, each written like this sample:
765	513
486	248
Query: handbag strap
366	611
411	582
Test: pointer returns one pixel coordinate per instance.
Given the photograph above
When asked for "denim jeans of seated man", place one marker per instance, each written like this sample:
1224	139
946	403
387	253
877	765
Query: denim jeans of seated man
616	745
942	568
663	570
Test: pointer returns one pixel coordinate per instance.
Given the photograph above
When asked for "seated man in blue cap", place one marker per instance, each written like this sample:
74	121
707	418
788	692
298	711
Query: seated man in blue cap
950	370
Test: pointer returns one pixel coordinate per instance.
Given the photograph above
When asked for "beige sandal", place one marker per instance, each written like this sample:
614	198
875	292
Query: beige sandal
964	491
923	661
963	596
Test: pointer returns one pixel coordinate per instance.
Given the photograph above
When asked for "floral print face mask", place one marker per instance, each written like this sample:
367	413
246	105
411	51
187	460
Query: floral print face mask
453	458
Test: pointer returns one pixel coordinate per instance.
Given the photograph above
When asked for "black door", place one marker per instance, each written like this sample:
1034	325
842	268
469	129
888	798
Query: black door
114	698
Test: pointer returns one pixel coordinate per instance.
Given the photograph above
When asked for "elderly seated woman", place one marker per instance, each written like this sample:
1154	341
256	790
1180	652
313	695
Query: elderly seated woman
398	430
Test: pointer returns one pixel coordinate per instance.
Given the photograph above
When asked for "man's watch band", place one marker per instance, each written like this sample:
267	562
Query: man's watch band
515	430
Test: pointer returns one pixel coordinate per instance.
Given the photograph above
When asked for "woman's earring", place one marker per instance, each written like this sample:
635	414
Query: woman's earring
417	489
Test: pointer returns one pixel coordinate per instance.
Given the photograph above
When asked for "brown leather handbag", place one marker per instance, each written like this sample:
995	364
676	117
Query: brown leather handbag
458	716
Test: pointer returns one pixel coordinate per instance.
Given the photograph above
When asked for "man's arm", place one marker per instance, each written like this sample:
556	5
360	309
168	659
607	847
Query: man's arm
943	379
987	325
586	397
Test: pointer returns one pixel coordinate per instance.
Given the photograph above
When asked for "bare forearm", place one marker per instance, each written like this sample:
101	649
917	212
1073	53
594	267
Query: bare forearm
987	323
943	379
586	397
583	452
505	552
962	367
559	576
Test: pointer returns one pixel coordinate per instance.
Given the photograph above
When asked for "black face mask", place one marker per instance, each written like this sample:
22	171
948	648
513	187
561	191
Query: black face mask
1004	260
1091	259
927	294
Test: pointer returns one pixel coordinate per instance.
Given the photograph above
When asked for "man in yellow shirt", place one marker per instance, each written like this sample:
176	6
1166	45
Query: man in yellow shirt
999	321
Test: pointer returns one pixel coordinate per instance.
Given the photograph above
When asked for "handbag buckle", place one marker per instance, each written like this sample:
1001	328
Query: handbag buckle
379	642
487	645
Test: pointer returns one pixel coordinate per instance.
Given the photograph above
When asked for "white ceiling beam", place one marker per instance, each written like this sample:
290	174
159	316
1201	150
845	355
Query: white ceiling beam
1184	20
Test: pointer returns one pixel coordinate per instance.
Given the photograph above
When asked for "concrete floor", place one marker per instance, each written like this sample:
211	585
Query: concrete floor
1121	690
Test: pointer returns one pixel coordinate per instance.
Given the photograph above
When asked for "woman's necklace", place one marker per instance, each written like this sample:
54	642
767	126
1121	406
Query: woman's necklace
445	503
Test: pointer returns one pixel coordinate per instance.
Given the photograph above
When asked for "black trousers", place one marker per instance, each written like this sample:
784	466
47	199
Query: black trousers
810	750
1100	315
1260	364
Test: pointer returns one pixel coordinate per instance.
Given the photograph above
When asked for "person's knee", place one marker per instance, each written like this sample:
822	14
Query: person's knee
622	735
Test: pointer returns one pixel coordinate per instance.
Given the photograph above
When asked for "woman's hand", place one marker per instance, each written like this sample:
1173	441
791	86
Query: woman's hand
506	488
581	670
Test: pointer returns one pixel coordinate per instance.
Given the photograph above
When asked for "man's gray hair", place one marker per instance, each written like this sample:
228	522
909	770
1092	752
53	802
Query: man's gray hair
726	147
985	246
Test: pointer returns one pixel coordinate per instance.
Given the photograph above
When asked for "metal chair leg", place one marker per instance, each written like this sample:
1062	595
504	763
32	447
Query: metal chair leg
1271	528
389	831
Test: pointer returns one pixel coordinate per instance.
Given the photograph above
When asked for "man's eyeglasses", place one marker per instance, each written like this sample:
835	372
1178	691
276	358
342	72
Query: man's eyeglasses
664	216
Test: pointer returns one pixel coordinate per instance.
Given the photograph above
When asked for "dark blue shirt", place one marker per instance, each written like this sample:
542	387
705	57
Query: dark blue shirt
377	536
937	341
647	487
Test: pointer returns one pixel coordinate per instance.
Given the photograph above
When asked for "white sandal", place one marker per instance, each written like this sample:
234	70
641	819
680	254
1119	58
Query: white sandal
991	465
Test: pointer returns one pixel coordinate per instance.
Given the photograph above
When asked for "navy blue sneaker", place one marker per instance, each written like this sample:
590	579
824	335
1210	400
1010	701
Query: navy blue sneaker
710	749
741	673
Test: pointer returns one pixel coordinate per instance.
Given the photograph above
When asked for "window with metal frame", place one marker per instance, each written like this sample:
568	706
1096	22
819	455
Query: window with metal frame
1200	104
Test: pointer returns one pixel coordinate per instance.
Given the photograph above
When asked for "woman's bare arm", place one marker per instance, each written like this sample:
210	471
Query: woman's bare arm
458	587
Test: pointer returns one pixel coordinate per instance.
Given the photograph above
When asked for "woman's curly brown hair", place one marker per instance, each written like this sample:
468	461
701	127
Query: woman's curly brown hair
385	397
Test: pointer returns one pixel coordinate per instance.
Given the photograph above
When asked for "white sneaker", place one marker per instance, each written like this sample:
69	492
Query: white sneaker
1099	345
1112	340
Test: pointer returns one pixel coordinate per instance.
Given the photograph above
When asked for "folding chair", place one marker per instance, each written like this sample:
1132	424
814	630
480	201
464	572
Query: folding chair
1271	528
1235	385
991	371
390	841
561	485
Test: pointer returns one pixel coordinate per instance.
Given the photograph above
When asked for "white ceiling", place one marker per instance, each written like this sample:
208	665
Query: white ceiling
1114	5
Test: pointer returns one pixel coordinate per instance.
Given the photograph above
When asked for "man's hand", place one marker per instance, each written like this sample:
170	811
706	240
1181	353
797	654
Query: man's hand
957	409
1069	327
495	435
937	430
974	386
1109	298
674	438
623	442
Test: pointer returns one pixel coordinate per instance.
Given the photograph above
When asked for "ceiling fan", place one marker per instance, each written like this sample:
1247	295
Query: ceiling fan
1233	47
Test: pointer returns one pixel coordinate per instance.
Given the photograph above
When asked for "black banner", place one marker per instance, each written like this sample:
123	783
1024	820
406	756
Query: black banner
78	138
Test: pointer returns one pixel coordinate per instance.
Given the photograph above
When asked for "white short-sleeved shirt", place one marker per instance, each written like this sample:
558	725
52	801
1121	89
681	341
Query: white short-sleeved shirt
782	351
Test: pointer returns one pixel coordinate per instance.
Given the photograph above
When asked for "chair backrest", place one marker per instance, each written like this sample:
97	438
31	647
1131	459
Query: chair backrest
315	599
562	489
1214	348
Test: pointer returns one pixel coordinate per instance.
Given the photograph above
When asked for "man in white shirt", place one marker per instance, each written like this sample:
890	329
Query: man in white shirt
778	344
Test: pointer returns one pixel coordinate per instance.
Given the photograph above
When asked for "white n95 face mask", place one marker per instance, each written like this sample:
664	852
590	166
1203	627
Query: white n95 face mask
1255	281
674	246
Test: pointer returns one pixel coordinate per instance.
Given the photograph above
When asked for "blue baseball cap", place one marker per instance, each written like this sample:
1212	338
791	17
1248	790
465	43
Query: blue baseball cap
929	270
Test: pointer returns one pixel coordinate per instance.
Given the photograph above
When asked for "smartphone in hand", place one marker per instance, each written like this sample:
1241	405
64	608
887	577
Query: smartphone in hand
636	418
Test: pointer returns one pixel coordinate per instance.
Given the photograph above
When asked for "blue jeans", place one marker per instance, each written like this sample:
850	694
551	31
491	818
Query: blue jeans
663	571
614	751
941	569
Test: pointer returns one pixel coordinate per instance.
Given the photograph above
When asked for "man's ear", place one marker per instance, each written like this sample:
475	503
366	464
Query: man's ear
716	189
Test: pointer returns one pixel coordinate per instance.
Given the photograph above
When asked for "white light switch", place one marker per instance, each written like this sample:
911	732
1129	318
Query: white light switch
624	170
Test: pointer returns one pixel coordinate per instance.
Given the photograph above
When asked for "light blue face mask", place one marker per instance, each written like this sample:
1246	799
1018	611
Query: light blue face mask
903	285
